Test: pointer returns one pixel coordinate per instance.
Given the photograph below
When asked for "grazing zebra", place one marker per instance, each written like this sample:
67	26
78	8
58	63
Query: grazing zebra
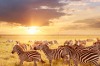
82	42
89	40
52	54
50	42
78	45
82	56
70	42
55	42
10	41
28	56
24	46
37	42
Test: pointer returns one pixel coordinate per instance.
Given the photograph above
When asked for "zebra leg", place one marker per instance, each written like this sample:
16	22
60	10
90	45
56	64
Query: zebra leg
65	59
95	63
50	61
35	64
69	60
75	62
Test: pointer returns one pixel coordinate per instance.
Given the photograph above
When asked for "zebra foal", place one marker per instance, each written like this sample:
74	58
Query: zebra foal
52	54
28	56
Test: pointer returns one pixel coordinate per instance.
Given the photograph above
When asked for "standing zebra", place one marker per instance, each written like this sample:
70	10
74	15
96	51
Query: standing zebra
95	47
28	56
52	54
82	56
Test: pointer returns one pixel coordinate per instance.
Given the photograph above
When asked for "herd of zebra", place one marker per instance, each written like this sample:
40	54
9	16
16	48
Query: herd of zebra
76	51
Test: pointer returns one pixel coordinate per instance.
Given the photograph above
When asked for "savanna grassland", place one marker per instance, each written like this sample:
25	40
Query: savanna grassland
8	59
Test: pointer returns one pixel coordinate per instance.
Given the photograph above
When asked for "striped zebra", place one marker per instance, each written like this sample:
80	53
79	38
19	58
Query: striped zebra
95	47
68	42
83	42
52	54
82	56
80	42
78	45
28	56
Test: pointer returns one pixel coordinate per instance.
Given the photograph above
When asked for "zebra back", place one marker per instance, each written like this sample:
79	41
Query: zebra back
51	53
82	56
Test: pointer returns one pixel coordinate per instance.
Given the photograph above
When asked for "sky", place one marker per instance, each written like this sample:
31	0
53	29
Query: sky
50	17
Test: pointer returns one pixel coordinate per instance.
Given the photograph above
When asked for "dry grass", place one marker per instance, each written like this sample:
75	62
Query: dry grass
8	59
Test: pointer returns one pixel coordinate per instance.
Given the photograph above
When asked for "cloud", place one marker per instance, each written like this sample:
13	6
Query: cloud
86	24
24	11
91	23
37	12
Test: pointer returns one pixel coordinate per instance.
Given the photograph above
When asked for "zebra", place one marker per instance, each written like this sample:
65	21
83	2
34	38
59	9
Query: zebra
9	41
55	42
95	47
28	56
70	42
50	42
78	45
82	42
52	54
89	40
82	56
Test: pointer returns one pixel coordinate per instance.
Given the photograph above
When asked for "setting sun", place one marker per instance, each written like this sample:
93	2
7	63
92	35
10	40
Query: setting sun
32	30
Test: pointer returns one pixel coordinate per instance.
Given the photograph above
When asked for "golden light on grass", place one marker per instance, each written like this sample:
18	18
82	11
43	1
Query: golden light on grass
32	30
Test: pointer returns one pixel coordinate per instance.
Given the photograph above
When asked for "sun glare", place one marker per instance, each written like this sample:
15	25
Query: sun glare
32	30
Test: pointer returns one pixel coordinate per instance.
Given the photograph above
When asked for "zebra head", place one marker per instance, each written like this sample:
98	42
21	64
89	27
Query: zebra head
96	43
14	49
17	49
40	46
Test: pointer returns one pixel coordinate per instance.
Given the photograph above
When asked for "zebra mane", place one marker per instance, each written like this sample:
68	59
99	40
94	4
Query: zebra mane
70	48
18	47
45	47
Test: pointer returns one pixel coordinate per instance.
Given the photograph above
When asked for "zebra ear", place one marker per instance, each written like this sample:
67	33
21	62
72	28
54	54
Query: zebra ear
17	42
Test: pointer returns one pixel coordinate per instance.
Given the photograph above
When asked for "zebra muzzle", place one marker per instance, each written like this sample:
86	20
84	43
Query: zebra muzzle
35	48
12	52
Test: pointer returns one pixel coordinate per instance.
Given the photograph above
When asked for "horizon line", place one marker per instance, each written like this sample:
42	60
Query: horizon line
48	35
